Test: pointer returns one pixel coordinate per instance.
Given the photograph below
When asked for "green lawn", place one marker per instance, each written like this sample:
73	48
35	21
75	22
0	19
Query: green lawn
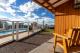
49	30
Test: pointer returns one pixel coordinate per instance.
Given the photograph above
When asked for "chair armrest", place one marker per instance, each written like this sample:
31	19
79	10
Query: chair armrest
61	36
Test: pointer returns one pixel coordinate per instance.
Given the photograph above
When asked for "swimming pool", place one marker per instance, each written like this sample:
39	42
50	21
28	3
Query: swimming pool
6	32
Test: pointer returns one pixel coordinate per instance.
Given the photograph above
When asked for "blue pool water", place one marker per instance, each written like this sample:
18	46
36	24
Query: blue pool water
6	32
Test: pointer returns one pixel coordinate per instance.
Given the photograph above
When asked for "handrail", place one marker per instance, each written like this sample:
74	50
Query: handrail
65	37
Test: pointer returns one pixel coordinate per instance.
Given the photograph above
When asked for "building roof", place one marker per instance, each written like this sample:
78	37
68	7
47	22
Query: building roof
50	4
11	19
3	19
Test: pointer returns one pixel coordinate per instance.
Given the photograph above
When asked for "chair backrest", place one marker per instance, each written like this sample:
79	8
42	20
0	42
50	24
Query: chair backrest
74	36
78	37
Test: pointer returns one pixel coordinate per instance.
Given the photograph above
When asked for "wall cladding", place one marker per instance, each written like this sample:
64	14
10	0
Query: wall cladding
66	17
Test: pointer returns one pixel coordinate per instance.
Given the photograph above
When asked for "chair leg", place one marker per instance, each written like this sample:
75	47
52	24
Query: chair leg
55	38
65	50
65	46
54	48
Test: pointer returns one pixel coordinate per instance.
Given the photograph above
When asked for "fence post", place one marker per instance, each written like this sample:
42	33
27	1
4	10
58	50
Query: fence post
4	25
28	28
17	31
13	30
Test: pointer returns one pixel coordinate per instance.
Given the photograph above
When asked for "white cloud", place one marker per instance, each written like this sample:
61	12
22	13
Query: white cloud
8	10
47	20
28	14
29	7
31	17
1	9
18	18
11	1
7	2
5	6
35	16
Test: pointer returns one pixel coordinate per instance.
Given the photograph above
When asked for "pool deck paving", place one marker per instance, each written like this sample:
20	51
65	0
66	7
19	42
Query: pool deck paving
26	45
46	47
38	43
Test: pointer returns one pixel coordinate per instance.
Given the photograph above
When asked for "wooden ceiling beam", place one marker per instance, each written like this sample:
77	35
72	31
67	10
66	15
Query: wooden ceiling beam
56	2
50	4
44	4
41	1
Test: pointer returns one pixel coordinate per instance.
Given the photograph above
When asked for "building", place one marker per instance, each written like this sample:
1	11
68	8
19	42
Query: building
67	13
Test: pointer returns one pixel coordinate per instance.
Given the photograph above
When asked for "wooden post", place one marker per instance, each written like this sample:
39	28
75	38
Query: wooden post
17	30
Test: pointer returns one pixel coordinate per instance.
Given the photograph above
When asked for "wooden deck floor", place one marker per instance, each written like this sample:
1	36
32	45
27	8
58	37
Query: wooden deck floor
26	45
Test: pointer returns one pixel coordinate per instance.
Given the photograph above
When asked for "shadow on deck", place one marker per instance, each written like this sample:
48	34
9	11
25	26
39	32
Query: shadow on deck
27	44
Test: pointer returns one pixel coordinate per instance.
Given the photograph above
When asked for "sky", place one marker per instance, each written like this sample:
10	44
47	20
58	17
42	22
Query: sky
24	10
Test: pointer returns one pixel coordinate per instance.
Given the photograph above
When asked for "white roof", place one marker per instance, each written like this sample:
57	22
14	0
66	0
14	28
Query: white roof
12	19
4	19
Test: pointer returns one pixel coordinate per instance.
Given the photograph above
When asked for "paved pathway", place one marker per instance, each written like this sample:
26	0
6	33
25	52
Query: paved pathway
26	45
47	47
